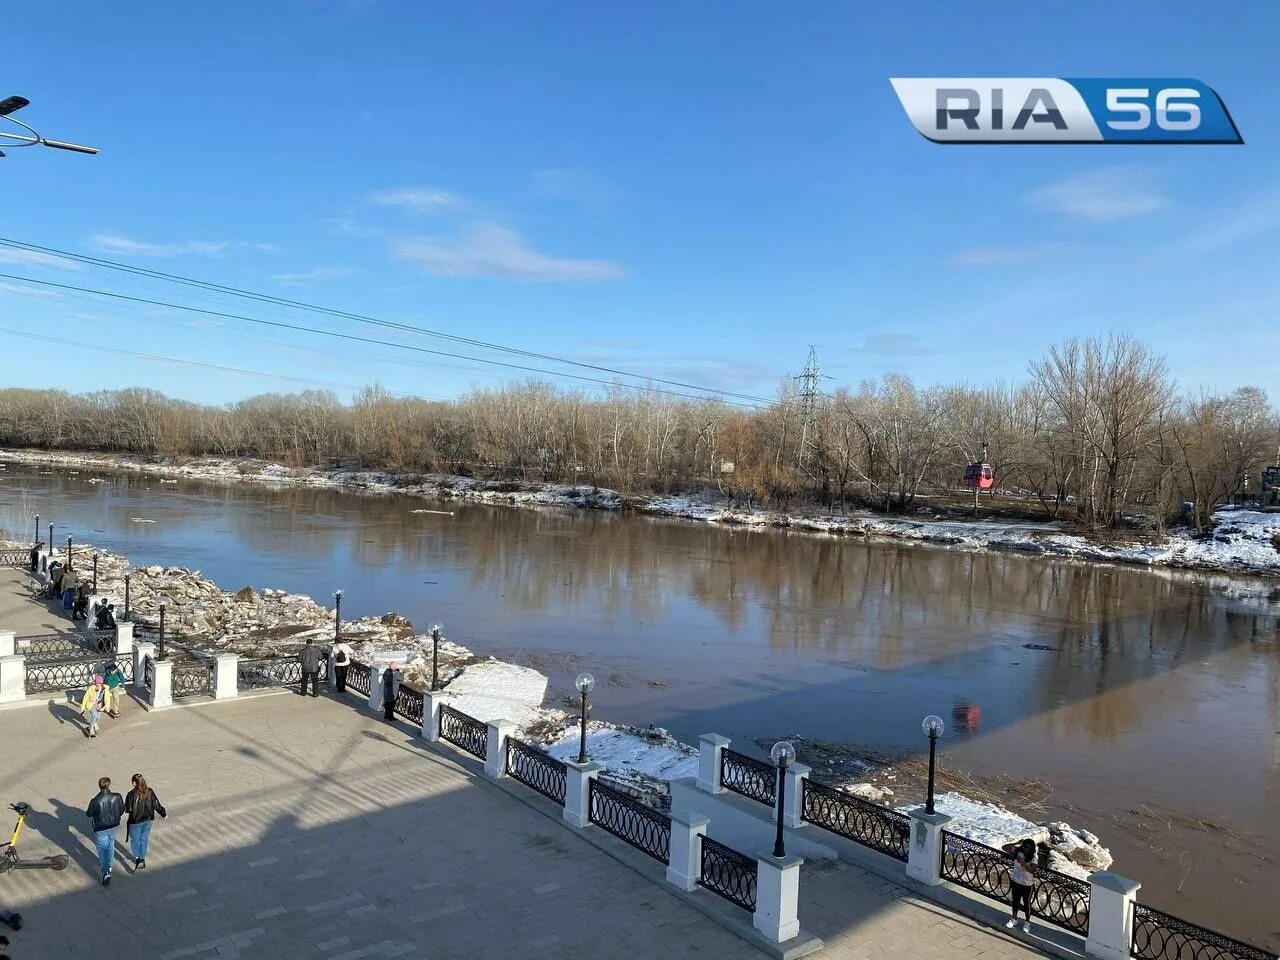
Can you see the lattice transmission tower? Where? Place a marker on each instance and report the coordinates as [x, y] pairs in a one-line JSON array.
[[810, 382]]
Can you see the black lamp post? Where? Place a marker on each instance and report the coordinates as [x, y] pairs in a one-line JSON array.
[[337, 613], [69, 563], [782, 754], [584, 683], [160, 655], [95, 573], [127, 578], [933, 728], [50, 542], [36, 541], [435, 656]]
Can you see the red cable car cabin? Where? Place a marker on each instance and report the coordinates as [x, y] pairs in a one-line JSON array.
[[980, 476]]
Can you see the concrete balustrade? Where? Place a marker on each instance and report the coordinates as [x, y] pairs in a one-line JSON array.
[[710, 747], [13, 677], [226, 683], [1111, 899], [141, 651], [924, 856], [8, 643], [793, 803], [162, 691], [495, 754], [431, 703], [685, 861], [577, 792], [777, 913]]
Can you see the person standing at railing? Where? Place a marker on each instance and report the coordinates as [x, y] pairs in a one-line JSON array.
[[390, 690], [342, 655], [70, 583], [35, 556], [1022, 879], [105, 619], [310, 657]]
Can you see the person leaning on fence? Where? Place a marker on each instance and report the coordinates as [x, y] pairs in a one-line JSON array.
[[310, 657], [390, 690], [92, 705], [342, 655], [1022, 879], [80, 603], [35, 556], [105, 618]]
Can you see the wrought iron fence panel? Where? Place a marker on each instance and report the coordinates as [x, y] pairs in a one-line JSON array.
[[1162, 936], [269, 672], [748, 776], [195, 681], [1055, 897], [628, 819], [729, 873], [16, 558], [409, 704], [149, 674], [52, 647], [359, 677], [464, 731], [536, 769], [61, 675], [861, 820]]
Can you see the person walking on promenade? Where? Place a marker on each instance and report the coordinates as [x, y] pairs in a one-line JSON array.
[[113, 678], [390, 690], [93, 704], [310, 658], [142, 805], [342, 655], [1022, 879], [70, 584], [105, 811]]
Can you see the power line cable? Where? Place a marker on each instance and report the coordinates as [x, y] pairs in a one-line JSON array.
[[361, 318], [359, 339]]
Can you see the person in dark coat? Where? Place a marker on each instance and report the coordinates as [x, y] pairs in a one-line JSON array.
[[391, 678], [310, 658], [142, 805], [106, 811]]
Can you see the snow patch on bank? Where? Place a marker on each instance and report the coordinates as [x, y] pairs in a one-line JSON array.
[[645, 758], [494, 690]]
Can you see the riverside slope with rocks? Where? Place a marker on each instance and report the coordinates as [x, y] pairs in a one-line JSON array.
[[262, 622], [1242, 541]]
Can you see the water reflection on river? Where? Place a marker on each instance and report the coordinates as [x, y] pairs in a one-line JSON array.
[[1125, 690]]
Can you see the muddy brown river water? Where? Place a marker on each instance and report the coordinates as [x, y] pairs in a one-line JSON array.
[[1148, 702]]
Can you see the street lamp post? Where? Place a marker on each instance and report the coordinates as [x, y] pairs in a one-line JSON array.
[[95, 572], [435, 656], [30, 139], [127, 578], [337, 613], [51, 543], [160, 655], [782, 754], [69, 563], [584, 683], [37, 538], [933, 728]]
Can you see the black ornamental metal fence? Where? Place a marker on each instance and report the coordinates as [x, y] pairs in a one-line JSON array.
[[408, 704], [69, 674], [860, 820], [268, 672], [359, 677], [15, 558], [65, 645], [748, 776], [195, 680], [628, 819], [536, 769], [463, 731], [149, 674], [729, 873], [1055, 897], [1162, 936]]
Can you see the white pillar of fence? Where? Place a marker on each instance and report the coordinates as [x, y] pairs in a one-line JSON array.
[[376, 670], [793, 809], [124, 641], [140, 653], [431, 701], [710, 746], [777, 913], [162, 691], [87, 625], [685, 863], [8, 643], [1111, 899], [577, 791], [226, 676], [924, 854], [495, 754], [13, 678]]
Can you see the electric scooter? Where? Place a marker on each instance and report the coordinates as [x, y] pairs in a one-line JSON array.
[[9, 859]]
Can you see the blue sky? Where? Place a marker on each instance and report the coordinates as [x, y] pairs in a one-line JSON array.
[[692, 191]]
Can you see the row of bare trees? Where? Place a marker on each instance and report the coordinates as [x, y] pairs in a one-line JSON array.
[[1097, 433]]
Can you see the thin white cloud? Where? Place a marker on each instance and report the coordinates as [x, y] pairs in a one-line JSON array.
[[34, 258], [117, 243], [489, 250], [994, 256], [418, 199], [1101, 196], [314, 275], [35, 293]]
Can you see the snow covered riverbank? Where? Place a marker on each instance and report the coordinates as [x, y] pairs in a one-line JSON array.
[[1242, 541]]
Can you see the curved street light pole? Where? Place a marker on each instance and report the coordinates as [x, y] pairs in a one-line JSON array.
[[782, 754], [933, 728], [584, 684], [31, 139]]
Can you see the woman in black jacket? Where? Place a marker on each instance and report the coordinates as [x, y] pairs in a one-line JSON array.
[[142, 805]]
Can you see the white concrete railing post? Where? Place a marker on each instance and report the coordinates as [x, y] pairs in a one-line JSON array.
[[793, 808], [13, 678], [140, 653], [495, 753], [431, 702], [577, 791], [226, 681], [777, 913], [8, 643], [710, 747], [124, 641], [87, 624], [162, 692], [685, 863], [1111, 899], [376, 670], [924, 852]]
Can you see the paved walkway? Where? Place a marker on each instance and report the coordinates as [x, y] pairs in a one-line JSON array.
[[21, 613]]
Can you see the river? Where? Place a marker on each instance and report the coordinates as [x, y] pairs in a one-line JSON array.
[[1148, 702]]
